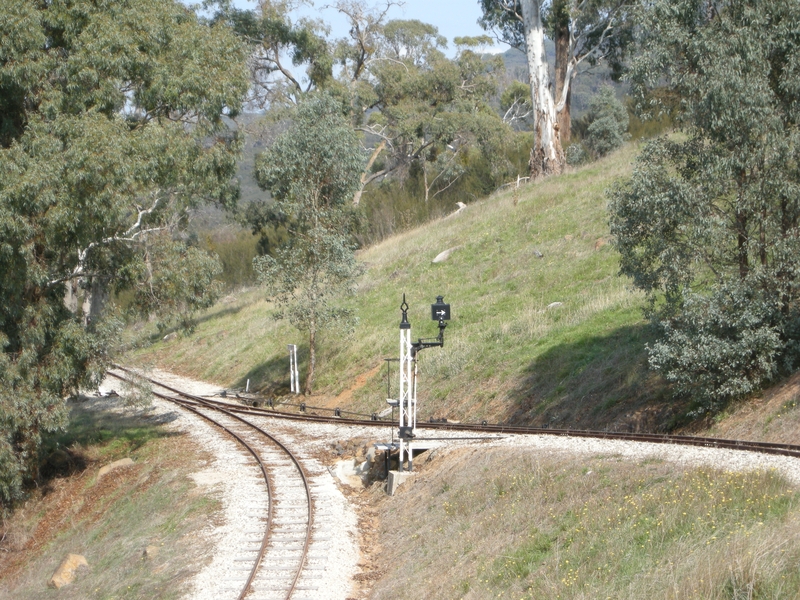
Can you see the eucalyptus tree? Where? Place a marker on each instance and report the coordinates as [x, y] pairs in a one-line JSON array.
[[709, 224], [111, 127], [278, 46], [312, 171], [584, 31], [415, 108], [427, 110]]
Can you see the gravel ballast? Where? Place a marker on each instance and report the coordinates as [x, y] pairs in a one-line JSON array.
[[232, 479]]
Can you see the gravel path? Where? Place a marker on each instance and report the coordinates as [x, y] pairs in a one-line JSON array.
[[230, 478]]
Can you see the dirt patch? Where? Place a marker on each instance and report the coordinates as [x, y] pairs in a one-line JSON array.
[[347, 395]]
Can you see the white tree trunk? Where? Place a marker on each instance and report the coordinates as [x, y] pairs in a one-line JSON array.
[[547, 156]]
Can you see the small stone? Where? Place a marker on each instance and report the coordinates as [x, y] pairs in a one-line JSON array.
[[536, 253], [443, 256], [65, 573], [150, 552], [170, 336], [554, 305], [117, 464]]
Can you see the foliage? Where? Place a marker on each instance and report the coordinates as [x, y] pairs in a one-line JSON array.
[[608, 123], [312, 171], [236, 249], [415, 109], [577, 154], [271, 36], [605, 127], [430, 110], [709, 224], [389, 207], [176, 281], [515, 102], [111, 128]]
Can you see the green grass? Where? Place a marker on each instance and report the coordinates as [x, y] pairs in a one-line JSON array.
[[525, 524], [506, 355]]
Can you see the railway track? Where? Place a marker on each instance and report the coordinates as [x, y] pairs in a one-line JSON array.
[[487, 428], [283, 551], [287, 558]]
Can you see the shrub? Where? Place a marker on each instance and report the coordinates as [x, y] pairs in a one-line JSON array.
[[608, 123]]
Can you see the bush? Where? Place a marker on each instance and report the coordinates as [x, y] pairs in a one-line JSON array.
[[577, 154], [713, 353], [608, 123]]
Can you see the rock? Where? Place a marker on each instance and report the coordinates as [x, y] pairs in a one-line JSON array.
[[536, 253], [443, 256], [461, 206], [170, 337], [349, 472], [117, 464], [150, 552], [65, 573], [600, 243], [554, 305]]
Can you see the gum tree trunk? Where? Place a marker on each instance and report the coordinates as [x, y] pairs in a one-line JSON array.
[[563, 118], [547, 156]]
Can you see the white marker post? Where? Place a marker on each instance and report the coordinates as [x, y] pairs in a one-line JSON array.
[[294, 374]]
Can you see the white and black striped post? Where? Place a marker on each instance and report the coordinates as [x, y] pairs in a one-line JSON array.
[[294, 373]]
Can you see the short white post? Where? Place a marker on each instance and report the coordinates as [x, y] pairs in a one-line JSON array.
[[294, 374]]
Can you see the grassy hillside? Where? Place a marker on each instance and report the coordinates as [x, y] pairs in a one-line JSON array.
[[525, 524], [510, 354]]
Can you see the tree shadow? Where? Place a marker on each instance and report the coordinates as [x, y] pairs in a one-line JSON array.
[[271, 378], [178, 328], [63, 453], [599, 382]]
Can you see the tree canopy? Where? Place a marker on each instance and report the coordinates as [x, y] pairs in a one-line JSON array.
[[111, 127], [312, 171], [709, 224], [415, 108]]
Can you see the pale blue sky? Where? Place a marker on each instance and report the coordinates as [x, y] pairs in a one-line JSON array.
[[453, 18]]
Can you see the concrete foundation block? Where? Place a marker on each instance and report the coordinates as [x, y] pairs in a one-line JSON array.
[[396, 479]]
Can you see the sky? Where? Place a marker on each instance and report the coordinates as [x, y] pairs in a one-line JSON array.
[[452, 17]]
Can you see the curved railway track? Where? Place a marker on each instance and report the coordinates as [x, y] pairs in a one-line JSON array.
[[278, 564], [275, 563], [708, 442]]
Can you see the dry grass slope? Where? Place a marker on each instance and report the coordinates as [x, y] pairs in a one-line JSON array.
[[514, 524], [112, 521]]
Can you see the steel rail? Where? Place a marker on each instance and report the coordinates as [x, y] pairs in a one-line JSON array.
[[709, 442], [199, 401]]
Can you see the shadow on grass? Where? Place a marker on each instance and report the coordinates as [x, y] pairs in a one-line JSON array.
[[177, 328], [109, 434], [596, 382], [271, 378]]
